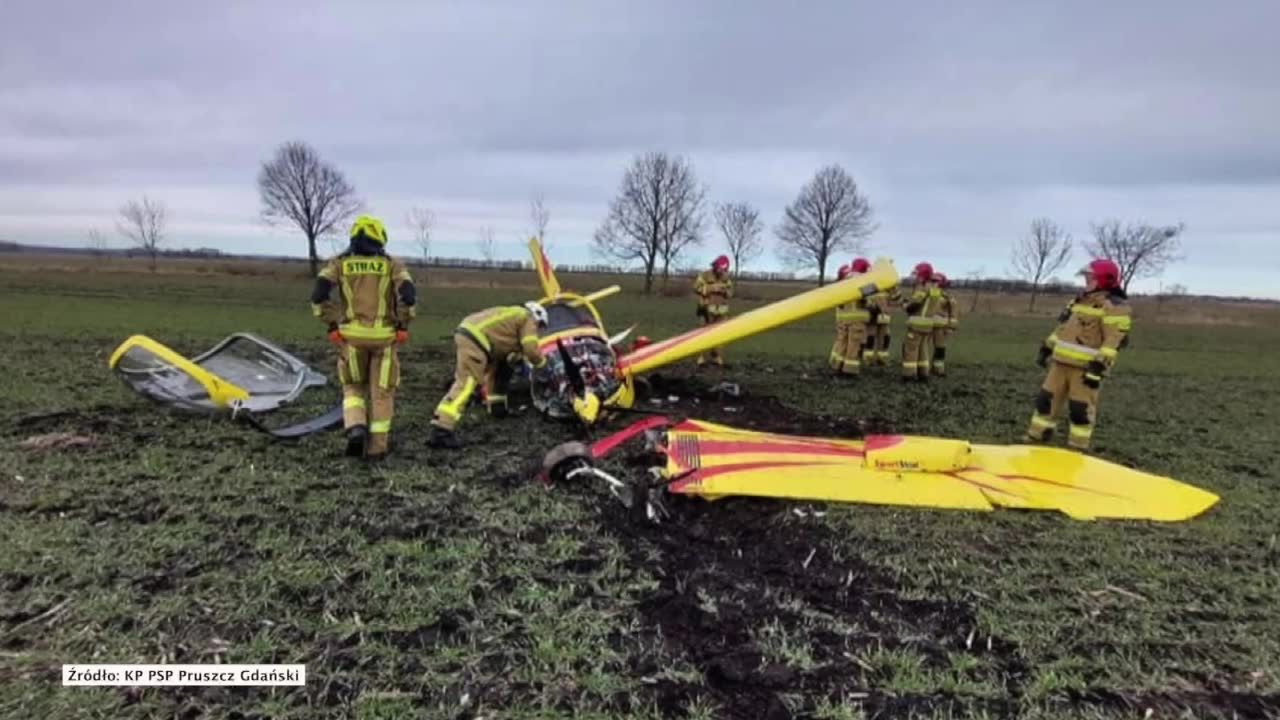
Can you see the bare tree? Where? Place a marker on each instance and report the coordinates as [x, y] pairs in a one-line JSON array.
[[829, 216], [97, 242], [297, 187], [740, 224], [1140, 250], [1040, 253], [488, 244], [421, 222], [976, 278], [142, 222], [539, 218], [657, 214]]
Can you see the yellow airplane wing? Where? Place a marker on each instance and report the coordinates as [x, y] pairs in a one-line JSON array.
[[714, 461], [546, 273], [881, 276]]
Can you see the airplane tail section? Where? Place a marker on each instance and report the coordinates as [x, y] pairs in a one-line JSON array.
[[546, 273]]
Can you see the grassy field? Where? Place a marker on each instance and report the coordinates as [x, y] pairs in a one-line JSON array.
[[450, 586]]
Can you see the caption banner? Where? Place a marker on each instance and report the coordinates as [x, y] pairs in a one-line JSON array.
[[180, 675]]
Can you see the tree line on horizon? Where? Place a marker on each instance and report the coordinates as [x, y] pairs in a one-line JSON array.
[[661, 212]]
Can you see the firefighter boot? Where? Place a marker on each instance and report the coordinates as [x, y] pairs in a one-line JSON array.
[[443, 438], [357, 441]]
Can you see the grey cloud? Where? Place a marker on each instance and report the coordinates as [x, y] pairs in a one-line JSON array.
[[478, 103]]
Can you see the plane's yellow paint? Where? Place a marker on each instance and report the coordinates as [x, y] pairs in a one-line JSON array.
[[222, 392], [542, 266], [881, 276], [716, 461]]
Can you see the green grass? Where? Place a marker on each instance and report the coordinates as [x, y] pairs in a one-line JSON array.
[[451, 586]]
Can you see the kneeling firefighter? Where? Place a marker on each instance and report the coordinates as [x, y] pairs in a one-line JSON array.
[[488, 344], [372, 316], [945, 322], [852, 320], [714, 287], [1079, 354], [922, 306]]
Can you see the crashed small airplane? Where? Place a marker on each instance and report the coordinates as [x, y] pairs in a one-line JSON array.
[[244, 375], [697, 458], [584, 371]]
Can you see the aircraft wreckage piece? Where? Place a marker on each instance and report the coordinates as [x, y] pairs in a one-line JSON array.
[[244, 374], [715, 461]]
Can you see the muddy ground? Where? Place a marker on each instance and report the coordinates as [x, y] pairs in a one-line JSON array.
[[739, 609]]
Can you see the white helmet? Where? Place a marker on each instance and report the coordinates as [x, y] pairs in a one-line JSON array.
[[538, 312]]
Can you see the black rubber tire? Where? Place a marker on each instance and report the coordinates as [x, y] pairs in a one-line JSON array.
[[565, 457]]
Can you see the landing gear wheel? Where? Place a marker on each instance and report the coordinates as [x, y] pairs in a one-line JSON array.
[[564, 459]]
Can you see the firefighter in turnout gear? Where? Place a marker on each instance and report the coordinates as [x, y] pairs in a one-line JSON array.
[[371, 317], [876, 350], [1079, 354], [488, 343], [945, 320], [851, 325], [714, 287], [922, 307]]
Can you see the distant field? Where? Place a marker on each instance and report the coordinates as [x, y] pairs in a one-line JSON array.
[[450, 586]]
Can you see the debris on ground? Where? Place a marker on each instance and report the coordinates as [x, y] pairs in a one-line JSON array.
[[57, 441]]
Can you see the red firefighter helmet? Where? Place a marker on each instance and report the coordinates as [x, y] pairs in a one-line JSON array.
[[843, 272], [1105, 273], [923, 271], [720, 264], [940, 280], [860, 265]]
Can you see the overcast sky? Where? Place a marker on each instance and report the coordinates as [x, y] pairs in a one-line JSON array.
[[960, 121]]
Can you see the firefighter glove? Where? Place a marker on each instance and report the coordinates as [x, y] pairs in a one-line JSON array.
[[402, 336], [1093, 374], [1042, 359], [335, 337]]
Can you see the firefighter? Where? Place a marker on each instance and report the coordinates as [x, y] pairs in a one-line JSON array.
[[371, 317], [714, 287], [488, 344], [945, 321], [876, 349], [921, 308], [852, 320], [1079, 354]]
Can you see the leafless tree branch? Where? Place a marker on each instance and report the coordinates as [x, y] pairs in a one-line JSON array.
[[488, 244], [1140, 250], [539, 219], [422, 223], [656, 216], [142, 222], [740, 224], [1040, 253], [827, 217], [298, 187]]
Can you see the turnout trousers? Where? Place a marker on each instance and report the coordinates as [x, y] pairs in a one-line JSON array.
[[472, 370], [939, 341], [847, 352], [1064, 386], [370, 375], [917, 351], [876, 350], [716, 356]]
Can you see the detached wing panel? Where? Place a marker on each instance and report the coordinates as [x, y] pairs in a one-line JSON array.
[[882, 276], [714, 461], [1087, 487], [717, 463]]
